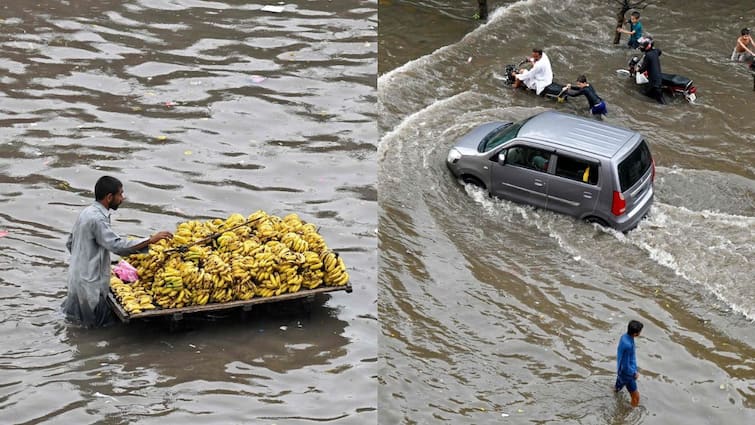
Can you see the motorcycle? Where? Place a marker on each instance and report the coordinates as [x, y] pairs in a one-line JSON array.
[[553, 91], [672, 84]]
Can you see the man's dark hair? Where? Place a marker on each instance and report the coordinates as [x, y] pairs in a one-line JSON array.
[[745, 31], [634, 327], [581, 79], [538, 51], [106, 185], [636, 14]]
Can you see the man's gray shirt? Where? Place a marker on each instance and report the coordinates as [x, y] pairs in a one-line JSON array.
[[90, 243]]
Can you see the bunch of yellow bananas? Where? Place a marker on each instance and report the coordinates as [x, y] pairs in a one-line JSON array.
[[201, 297], [295, 242], [268, 256], [132, 297], [221, 295], [196, 253], [335, 269], [293, 223], [244, 290]]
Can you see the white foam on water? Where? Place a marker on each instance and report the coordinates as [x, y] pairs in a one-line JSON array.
[[411, 123], [656, 236], [705, 261]]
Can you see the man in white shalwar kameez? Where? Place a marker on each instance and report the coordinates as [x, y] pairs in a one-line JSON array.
[[540, 76]]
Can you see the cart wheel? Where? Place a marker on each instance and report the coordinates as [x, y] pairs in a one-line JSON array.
[[176, 322], [306, 305], [245, 310]]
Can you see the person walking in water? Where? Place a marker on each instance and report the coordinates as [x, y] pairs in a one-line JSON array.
[[597, 105], [634, 31], [90, 243], [626, 362], [741, 51]]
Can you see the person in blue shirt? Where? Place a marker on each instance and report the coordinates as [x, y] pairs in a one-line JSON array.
[[635, 30], [626, 362]]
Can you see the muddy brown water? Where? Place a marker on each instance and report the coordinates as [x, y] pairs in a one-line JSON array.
[[492, 312], [202, 109]]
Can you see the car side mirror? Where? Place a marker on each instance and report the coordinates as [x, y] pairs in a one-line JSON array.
[[502, 157]]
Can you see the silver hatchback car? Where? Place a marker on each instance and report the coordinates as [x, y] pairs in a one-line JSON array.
[[573, 165]]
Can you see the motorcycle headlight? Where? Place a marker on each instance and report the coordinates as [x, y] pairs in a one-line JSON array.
[[453, 156]]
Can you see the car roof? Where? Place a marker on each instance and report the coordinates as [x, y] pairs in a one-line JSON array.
[[576, 132]]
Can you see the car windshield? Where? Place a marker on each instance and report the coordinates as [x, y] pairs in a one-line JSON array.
[[500, 136], [634, 166]]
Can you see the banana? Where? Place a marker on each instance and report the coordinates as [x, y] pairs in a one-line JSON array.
[[268, 256], [342, 280]]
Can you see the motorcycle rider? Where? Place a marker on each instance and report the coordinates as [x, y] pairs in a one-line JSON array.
[[651, 63], [537, 78]]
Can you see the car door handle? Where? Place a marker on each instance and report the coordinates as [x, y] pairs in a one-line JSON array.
[[539, 183], [587, 195]]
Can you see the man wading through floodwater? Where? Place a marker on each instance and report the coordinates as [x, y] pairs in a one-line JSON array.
[[90, 243]]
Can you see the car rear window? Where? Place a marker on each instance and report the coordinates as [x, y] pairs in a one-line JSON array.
[[634, 166]]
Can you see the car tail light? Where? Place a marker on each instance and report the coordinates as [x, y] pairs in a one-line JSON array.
[[652, 164], [619, 204]]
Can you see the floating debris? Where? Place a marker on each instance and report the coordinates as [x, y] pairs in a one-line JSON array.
[[273, 9]]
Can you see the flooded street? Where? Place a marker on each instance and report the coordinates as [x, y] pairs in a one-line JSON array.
[[493, 312], [202, 109]]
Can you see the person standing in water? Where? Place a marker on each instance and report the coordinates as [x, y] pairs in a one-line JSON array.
[[626, 362], [634, 31], [90, 243]]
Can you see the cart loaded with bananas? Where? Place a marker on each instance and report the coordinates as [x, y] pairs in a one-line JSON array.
[[236, 261]]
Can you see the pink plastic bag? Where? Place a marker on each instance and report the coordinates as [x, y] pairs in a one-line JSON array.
[[125, 272]]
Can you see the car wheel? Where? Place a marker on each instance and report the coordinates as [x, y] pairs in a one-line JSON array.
[[473, 181], [597, 220]]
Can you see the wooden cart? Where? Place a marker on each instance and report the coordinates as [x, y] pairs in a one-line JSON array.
[[177, 313]]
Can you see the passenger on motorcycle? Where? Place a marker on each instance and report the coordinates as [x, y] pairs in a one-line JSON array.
[[651, 63], [537, 78]]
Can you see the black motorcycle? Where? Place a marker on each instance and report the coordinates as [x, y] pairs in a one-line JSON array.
[[673, 84], [554, 91]]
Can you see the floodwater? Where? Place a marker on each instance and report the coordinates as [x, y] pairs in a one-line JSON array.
[[493, 312], [202, 109]]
